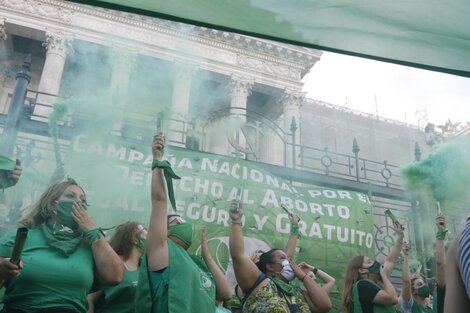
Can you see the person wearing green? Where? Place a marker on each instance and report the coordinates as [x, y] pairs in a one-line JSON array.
[[171, 280], [415, 294], [266, 284], [129, 243], [64, 254], [367, 287], [10, 172]]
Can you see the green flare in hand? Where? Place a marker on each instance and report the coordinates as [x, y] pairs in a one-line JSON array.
[[445, 173]]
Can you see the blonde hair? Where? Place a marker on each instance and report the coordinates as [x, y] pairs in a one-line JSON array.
[[42, 209], [350, 278]]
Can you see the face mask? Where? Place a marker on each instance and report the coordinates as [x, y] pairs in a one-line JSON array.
[[64, 212], [374, 268], [423, 291], [287, 272], [141, 243], [184, 232]]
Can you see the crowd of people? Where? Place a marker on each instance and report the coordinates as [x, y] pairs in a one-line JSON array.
[[68, 265]]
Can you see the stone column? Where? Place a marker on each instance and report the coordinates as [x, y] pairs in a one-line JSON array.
[[121, 63], [182, 81], [291, 102], [240, 90], [58, 46], [6, 72]]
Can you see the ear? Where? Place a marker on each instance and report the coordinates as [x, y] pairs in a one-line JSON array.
[[270, 267], [362, 271]]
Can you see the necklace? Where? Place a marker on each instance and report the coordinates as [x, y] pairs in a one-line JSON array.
[[128, 268]]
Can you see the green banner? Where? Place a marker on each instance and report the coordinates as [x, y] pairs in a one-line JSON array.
[[335, 224]]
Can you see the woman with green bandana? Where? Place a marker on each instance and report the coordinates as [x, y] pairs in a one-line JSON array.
[[415, 294], [170, 279], [367, 287], [64, 254], [10, 172], [129, 243], [266, 285]]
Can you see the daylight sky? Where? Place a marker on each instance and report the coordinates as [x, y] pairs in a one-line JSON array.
[[398, 92]]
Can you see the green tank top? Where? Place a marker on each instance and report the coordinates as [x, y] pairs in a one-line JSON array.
[[120, 298], [378, 308], [186, 285]]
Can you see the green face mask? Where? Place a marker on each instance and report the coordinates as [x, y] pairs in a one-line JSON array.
[[375, 268], [141, 243], [423, 291], [184, 232], [64, 212]]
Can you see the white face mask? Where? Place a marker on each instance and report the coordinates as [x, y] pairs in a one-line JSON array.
[[287, 272]]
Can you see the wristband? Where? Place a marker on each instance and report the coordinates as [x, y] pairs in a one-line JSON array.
[[94, 235], [237, 223], [169, 176], [294, 229], [441, 234]]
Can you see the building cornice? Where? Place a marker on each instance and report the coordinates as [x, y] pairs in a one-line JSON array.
[[299, 58]]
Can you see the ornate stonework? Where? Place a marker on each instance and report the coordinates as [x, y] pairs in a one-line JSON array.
[[292, 98], [287, 61], [241, 86], [44, 9], [57, 42], [3, 30], [269, 67]]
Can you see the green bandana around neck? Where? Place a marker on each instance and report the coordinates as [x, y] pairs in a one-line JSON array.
[[141, 243], [286, 288], [61, 237], [184, 232]]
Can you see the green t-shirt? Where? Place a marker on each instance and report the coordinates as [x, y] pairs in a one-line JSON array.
[[186, 285], [120, 298], [49, 279]]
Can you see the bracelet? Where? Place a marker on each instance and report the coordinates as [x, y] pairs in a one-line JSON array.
[[237, 222], [441, 234], [94, 235]]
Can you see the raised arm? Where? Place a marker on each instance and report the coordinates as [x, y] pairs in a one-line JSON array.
[[395, 251], [294, 235], [388, 294], [456, 297], [246, 272], [440, 250], [328, 280], [317, 298], [157, 247], [223, 292], [406, 276]]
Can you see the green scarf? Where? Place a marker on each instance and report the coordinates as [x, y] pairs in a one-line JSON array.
[[169, 176], [286, 288], [61, 237]]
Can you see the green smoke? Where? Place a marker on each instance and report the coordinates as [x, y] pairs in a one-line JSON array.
[[445, 173]]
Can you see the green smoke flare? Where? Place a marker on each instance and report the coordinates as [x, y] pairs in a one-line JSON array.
[[445, 173]]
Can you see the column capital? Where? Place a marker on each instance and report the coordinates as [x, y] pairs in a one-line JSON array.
[[292, 98], [241, 85], [3, 29], [58, 42]]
